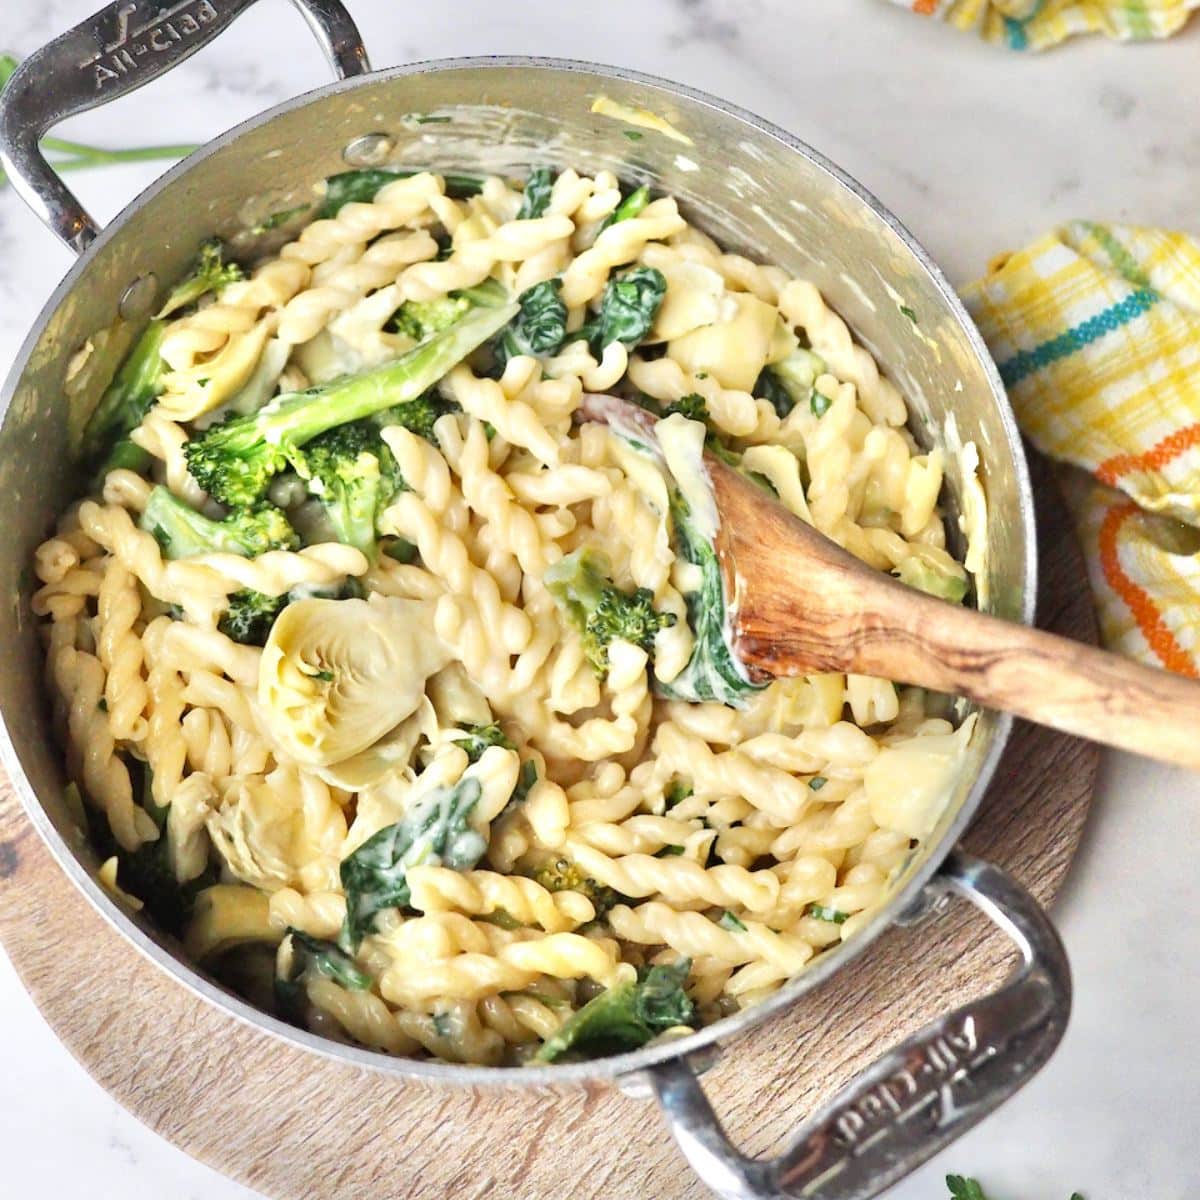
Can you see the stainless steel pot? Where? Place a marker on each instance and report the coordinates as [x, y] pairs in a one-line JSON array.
[[759, 191]]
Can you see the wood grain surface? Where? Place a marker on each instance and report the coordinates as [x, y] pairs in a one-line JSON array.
[[298, 1127]]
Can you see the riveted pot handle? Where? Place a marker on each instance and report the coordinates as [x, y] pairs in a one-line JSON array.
[[111, 54], [919, 1096]]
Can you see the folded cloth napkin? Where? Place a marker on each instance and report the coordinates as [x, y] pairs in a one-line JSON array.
[[1036, 24], [1096, 331]]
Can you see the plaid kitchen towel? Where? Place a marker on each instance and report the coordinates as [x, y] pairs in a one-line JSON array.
[[1036, 24], [1096, 331]]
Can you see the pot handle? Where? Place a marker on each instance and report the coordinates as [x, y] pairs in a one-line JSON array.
[[112, 53], [919, 1096]]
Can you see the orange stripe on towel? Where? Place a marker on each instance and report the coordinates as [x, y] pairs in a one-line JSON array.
[[925, 8], [1156, 457], [1149, 620]]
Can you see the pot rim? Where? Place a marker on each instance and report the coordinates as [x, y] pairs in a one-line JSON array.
[[903, 901]]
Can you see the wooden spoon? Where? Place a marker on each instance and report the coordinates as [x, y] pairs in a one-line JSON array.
[[803, 605]]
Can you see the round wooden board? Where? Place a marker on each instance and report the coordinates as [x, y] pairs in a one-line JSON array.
[[298, 1127]]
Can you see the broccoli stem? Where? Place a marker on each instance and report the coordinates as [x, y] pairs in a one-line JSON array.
[[182, 532], [298, 417], [234, 461], [134, 388]]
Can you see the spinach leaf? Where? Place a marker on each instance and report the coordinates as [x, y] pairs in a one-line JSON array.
[[361, 187], [299, 954], [626, 1016], [539, 327], [627, 309], [770, 387], [714, 671], [147, 872], [537, 194], [433, 832]]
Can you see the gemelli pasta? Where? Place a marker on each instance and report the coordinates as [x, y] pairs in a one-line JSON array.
[[401, 692]]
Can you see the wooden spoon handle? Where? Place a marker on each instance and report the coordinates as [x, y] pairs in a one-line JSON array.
[[804, 605], [1048, 679]]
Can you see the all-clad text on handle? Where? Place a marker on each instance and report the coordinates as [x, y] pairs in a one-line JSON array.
[[919, 1096], [114, 52]]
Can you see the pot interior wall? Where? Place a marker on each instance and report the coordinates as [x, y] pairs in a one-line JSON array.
[[746, 187]]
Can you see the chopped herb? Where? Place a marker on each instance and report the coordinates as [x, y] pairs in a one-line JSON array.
[[424, 119], [633, 135], [819, 403], [821, 913], [102, 704], [669, 852], [676, 791], [325, 676], [731, 922], [908, 312], [442, 1024], [817, 782]]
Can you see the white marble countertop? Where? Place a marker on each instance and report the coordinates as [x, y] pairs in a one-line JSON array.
[[975, 149]]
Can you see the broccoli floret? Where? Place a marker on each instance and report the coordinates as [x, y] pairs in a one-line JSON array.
[[563, 875], [420, 319], [479, 737], [209, 273], [183, 532], [353, 474], [235, 460], [626, 1016], [418, 416], [250, 615], [599, 609]]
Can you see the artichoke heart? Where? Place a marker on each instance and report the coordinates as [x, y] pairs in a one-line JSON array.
[[336, 675], [733, 350]]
